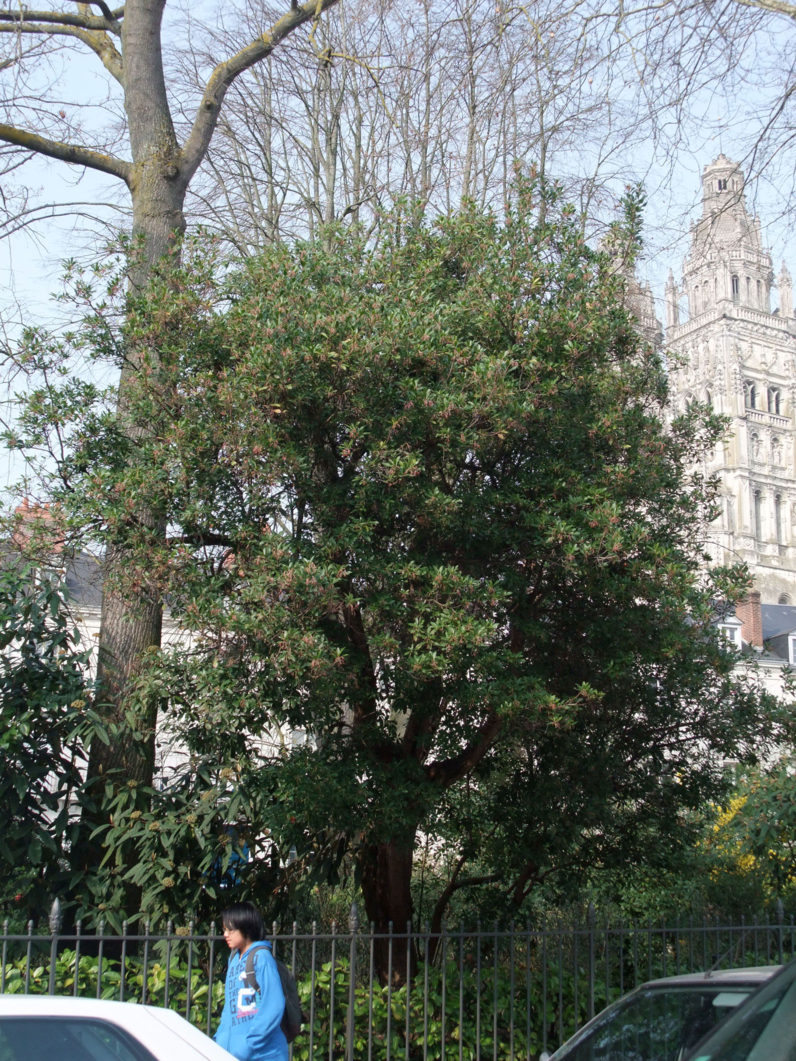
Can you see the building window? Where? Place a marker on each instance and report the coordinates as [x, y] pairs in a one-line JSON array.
[[784, 598], [722, 186], [748, 289], [708, 399], [778, 517], [792, 650], [750, 394], [757, 504], [732, 634], [736, 288], [696, 299], [760, 294], [775, 400]]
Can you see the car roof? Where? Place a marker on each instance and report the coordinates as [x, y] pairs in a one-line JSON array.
[[19, 1005], [156, 1028], [755, 974], [59, 1004]]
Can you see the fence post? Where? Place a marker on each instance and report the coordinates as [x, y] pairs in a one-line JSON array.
[[100, 937], [210, 976], [780, 922], [55, 928], [591, 917], [353, 928], [28, 957], [78, 929], [5, 953]]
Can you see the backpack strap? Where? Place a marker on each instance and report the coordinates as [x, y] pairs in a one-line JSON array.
[[250, 976]]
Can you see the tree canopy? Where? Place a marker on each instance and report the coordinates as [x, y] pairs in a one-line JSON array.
[[437, 552]]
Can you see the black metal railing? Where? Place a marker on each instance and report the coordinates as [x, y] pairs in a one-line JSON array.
[[500, 992]]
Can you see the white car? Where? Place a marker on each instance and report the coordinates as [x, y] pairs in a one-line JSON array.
[[53, 1028]]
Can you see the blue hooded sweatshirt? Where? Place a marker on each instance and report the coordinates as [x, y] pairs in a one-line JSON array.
[[250, 1024]]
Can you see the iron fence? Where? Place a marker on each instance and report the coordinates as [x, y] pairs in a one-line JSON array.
[[459, 994]]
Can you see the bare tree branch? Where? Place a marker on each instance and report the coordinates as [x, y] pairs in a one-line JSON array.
[[25, 17], [106, 10], [99, 42], [80, 156], [779, 7], [225, 73]]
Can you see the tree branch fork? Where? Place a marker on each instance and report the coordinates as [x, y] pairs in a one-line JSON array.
[[93, 31]]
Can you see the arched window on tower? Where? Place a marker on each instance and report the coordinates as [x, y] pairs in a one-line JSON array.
[[748, 289], [736, 288], [750, 394], [760, 294], [775, 400], [722, 185], [778, 517], [697, 303], [708, 399], [757, 514]]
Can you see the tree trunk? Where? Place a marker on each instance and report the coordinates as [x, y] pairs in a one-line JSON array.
[[132, 624], [387, 891]]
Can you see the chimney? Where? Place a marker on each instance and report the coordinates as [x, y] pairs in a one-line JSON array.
[[750, 614], [38, 520]]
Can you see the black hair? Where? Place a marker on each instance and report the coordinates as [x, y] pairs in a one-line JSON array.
[[246, 918]]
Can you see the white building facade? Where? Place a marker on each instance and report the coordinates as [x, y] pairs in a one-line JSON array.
[[729, 348]]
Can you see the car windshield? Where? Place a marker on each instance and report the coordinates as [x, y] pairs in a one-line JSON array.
[[762, 1030], [654, 1024]]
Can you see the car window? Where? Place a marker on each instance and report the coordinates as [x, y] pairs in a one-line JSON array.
[[763, 1030], [656, 1024], [67, 1039]]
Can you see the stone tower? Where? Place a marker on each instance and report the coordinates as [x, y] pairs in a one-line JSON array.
[[738, 355]]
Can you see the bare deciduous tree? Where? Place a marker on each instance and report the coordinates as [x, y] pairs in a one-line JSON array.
[[432, 105]]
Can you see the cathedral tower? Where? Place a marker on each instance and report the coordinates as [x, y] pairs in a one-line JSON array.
[[739, 356]]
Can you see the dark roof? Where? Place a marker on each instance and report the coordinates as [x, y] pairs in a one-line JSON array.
[[82, 574], [777, 619], [84, 580]]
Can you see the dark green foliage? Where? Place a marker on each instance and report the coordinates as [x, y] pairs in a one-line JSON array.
[[422, 508], [45, 722]]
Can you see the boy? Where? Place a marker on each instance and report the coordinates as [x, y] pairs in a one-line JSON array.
[[250, 1024]]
